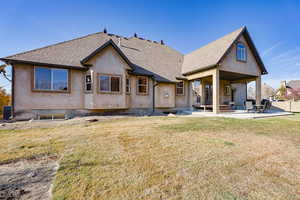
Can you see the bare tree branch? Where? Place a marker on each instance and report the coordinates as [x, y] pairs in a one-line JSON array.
[[3, 72]]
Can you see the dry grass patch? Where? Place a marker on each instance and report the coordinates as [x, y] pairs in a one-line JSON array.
[[169, 158]]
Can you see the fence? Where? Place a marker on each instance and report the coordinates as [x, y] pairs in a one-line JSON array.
[[290, 106]]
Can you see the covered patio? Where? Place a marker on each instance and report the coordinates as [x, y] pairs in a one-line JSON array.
[[221, 91]]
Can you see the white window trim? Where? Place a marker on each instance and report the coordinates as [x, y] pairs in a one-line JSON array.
[[109, 83], [137, 86], [180, 87], [243, 51], [85, 83], [129, 86], [51, 89]]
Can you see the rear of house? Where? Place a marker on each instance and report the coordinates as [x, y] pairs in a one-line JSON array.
[[106, 73]]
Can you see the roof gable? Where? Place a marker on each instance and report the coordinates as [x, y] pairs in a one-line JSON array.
[[213, 53], [230, 63], [111, 43]]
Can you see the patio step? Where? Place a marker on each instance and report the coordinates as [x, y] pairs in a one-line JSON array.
[[229, 110], [224, 108]]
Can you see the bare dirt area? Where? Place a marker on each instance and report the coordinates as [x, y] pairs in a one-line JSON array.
[[27, 179], [21, 125]]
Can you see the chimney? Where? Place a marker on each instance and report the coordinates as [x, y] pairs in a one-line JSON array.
[[135, 35], [162, 42], [104, 30], [119, 41]]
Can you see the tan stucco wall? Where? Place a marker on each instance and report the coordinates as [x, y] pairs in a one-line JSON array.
[[202, 74], [223, 97], [240, 90], [107, 61], [232, 65], [182, 101], [140, 101], [26, 99], [165, 95]]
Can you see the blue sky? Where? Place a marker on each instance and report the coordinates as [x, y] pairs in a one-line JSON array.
[[184, 25]]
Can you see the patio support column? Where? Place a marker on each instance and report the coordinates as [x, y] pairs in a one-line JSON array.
[[216, 91], [190, 95], [202, 101], [258, 90]]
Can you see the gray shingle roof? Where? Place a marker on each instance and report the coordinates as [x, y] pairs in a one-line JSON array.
[[147, 57], [295, 84], [211, 54], [153, 58]]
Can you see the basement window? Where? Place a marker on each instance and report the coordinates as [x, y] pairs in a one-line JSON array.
[[180, 88], [142, 85], [51, 79], [110, 83]]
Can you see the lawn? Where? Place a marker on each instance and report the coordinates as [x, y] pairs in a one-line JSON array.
[[166, 157]]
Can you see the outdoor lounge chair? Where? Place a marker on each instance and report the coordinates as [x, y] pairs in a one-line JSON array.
[[266, 105], [249, 106]]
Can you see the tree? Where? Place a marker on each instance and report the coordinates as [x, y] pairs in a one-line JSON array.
[[3, 72], [250, 93], [267, 91], [281, 94], [4, 99]]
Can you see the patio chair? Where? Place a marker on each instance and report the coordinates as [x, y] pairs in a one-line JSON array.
[[266, 105], [249, 106]]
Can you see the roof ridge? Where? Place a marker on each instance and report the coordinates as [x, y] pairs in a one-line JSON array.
[[47, 46], [157, 43]]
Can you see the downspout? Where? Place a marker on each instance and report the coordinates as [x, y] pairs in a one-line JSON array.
[[246, 91], [12, 92], [153, 96]]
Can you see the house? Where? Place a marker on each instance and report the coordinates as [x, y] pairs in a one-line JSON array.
[[290, 90], [104, 72]]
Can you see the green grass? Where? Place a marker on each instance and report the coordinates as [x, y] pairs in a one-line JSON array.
[[167, 157]]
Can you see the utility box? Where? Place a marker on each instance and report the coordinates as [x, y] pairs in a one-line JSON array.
[[6, 112]]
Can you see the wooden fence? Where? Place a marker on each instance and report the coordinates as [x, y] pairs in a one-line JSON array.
[[290, 106]]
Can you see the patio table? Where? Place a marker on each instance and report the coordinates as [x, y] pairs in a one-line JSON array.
[[258, 108]]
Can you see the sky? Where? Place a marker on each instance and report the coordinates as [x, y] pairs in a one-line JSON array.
[[184, 25]]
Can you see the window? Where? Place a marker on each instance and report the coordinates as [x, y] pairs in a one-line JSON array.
[[128, 88], [227, 90], [115, 84], [110, 83], [241, 54], [142, 85], [88, 83], [51, 79], [104, 83], [180, 88]]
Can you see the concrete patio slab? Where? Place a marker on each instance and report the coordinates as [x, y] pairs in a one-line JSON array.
[[238, 114]]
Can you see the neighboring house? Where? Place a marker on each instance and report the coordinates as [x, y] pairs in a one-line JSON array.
[[267, 91], [290, 90], [108, 73]]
